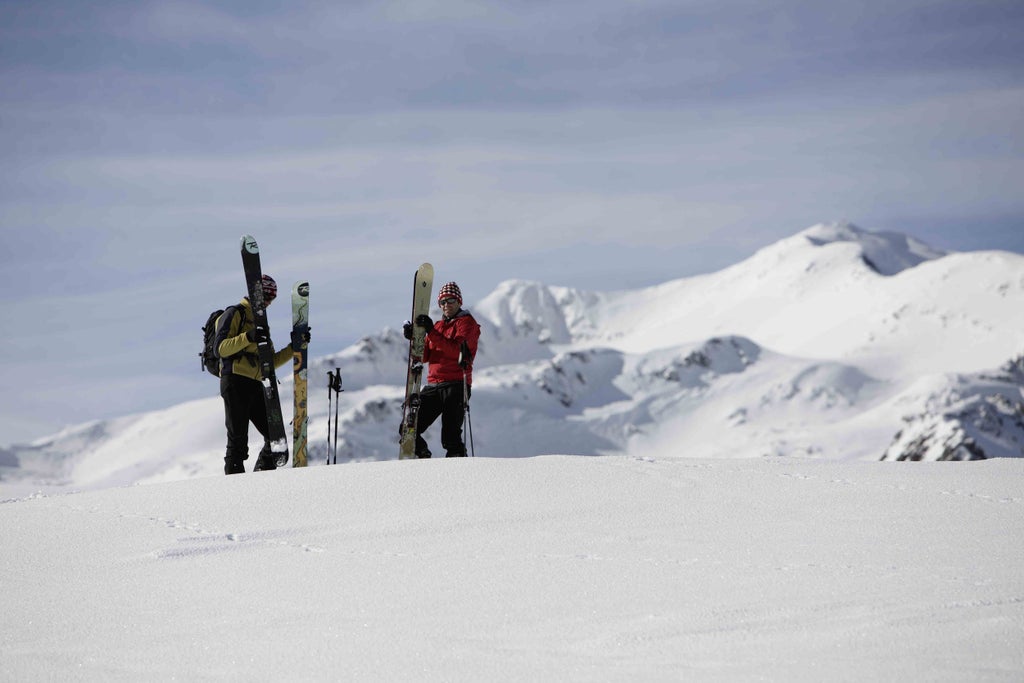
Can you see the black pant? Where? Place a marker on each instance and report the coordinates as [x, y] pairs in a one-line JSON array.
[[243, 403], [444, 400]]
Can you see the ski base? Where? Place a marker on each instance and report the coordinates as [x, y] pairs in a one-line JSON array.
[[423, 283]]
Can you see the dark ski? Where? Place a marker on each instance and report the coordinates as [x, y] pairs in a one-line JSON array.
[[253, 280]]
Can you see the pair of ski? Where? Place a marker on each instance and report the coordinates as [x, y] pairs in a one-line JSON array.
[[300, 356]]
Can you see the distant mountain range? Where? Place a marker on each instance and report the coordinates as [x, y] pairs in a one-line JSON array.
[[835, 343]]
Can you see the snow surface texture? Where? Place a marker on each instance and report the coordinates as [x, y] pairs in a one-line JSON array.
[[836, 343], [549, 568]]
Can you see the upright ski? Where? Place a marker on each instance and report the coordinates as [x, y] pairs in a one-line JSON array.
[[253, 280], [300, 356], [423, 283]]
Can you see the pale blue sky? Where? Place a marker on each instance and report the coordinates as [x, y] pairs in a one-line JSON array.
[[599, 144]]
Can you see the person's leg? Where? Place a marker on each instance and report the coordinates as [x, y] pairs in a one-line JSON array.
[[258, 415], [236, 420], [430, 409], [452, 416]]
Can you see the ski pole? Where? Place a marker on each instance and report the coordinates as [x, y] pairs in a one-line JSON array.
[[467, 423], [330, 388], [468, 420], [337, 400]]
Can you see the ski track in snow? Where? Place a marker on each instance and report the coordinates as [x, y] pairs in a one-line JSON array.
[[203, 539]]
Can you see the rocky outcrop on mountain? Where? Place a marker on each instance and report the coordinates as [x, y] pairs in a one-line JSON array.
[[969, 418]]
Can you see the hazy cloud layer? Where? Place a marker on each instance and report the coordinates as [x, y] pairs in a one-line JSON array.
[[598, 144]]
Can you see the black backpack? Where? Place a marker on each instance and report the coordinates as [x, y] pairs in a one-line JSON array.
[[208, 356]]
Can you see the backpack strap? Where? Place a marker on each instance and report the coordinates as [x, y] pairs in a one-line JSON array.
[[253, 357]]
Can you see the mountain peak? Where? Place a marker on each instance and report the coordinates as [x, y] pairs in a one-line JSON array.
[[525, 308], [886, 253]]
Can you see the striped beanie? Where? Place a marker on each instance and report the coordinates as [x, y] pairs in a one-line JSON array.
[[269, 288], [450, 289]]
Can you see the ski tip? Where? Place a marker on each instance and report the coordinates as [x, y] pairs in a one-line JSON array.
[[249, 244], [301, 288]]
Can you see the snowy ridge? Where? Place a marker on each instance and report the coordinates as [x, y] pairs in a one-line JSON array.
[[835, 343]]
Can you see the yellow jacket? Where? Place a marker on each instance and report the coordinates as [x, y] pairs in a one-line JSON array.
[[232, 340]]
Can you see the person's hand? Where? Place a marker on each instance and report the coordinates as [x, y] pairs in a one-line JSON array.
[[407, 329], [258, 334], [423, 320], [300, 338]]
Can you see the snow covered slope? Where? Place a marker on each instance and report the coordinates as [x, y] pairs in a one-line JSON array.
[[543, 569], [835, 343]]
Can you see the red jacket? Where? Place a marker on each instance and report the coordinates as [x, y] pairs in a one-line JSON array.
[[444, 343]]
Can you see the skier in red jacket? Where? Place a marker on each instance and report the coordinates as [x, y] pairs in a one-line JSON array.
[[442, 395]]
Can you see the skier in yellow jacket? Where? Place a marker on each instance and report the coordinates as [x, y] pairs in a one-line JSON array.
[[240, 386]]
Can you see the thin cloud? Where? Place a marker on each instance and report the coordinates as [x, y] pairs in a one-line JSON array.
[[558, 141]]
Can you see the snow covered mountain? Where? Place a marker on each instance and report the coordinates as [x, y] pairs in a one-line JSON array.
[[835, 343]]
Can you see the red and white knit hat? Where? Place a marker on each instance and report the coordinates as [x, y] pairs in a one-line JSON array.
[[450, 289], [269, 288]]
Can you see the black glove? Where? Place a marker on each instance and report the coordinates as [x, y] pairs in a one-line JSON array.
[[258, 335], [300, 338], [423, 320], [407, 329]]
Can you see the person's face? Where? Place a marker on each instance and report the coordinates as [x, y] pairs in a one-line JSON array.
[[449, 306]]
